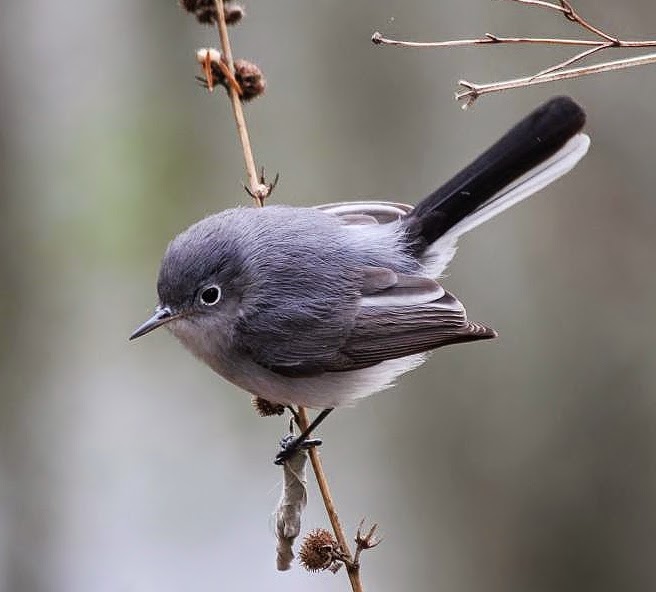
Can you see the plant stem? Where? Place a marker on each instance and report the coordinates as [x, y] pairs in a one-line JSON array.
[[476, 90], [490, 39], [237, 109], [352, 569], [260, 191], [552, 73]]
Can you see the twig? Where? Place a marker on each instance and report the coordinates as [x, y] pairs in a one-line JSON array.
[[577, 58], [365, 542], [352, 568], [573, 16], [541, 3], [259, 191], [477, 90], [552, 73], [566, 8], [489, 39]]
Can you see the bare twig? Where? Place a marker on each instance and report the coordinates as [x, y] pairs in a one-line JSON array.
[[365, 542], [259, 191], [577, 58], [566, 8], [488, 39], [477, 90], [552, 73], [352, 569], [264, 188], [575, 17], [541, 3]]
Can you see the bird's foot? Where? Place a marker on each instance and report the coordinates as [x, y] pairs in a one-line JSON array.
[[290, 445]]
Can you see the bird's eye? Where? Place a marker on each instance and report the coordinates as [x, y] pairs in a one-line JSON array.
[[210, 295]]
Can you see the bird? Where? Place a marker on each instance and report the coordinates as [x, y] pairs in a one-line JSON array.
[[321, 306]]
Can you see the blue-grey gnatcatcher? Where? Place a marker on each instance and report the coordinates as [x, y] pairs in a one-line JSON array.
[[321, 306]]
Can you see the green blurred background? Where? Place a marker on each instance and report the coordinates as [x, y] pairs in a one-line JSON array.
[[527, 463]]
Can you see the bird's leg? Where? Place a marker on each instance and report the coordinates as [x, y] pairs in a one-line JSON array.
[[290, 445], [294, 415]]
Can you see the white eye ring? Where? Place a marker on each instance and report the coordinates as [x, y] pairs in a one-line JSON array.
[[210, 295]]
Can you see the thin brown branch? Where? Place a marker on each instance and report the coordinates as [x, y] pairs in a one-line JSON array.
[[573, 60], [567, 10], [257, 189], [552, 73], [542, 4], [488, 39], [575, 17], [475, 91], [364, 542], [352, 569]]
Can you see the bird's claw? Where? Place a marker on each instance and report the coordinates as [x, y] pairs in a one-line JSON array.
[[290, 445]]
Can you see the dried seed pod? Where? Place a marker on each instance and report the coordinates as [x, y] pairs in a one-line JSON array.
[[233, 13], [250, 79], [189, 5], [266, 408], [247, 77], [210, 60], [208, 53], [206, 13], [203, 10], [319, 551]]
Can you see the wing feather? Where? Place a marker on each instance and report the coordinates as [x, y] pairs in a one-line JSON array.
[[388, 332], [398, 315], [363, 212], [404, 290]]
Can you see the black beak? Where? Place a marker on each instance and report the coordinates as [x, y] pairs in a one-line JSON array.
[[163, 315]]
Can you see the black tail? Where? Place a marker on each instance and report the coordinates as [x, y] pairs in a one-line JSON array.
[[532, 141]]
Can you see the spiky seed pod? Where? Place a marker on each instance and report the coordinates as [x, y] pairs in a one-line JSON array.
[[250, 79], [266, 408], [319, 550]]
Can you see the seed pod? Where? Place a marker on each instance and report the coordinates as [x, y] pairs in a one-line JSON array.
[[319, 550]]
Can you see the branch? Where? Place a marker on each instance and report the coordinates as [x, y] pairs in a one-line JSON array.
[[489, 38], [221, 69], [477, 90], [257, 188], [577, 58], [352, 567], [566, 8], [550, 74]]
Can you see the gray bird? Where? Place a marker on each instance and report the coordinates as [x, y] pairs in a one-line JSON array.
[[321, 306]]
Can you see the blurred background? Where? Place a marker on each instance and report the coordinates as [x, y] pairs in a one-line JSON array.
[[526, 463]]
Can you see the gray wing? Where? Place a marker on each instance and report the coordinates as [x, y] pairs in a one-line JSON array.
[[398, 315], [358, 213], [386, 332]]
